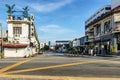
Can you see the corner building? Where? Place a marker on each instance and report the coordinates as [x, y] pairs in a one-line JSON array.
[[103, 29], [22, 37]]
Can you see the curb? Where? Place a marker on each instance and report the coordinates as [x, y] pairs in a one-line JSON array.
[[72, 55]]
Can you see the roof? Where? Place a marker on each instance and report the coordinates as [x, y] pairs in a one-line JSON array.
[[11, 45]]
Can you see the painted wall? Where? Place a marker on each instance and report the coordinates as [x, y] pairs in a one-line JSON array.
[[23, 37], [13, 52]]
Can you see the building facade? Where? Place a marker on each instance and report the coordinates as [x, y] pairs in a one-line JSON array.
[[62, 45], [22, 37], [103, 31]]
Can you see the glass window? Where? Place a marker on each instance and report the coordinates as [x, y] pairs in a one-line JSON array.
[[108, 8], [98, 29], [17, 30], [106, 26], [118, 46]]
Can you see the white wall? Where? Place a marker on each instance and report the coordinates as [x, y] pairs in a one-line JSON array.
[[23, 37], [11, 52]]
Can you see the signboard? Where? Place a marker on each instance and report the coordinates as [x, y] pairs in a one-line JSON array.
[[117, 17]]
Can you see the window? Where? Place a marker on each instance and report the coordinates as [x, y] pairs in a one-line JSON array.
[[108, 8], [98, 29], [17, 30], [106, 26], [118, 46]]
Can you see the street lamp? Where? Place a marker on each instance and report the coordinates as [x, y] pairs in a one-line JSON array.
[[1, 40]]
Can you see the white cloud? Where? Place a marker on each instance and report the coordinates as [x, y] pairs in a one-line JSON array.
[[4, 24], [54, 32], [50, 6], [54, 29]]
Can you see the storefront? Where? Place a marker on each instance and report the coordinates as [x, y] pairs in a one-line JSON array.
[[97, 45], [105, 43], [117, 43]]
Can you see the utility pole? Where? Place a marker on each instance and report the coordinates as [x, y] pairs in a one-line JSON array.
[[1, 54]]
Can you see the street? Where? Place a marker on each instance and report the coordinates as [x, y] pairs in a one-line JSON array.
[[54, 66]]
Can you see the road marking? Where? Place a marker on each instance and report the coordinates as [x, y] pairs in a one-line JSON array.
[[57, 66], [54, 77], [54, 66], [15, 65]]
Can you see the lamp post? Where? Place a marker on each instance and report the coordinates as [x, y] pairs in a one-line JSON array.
[[1, 41]]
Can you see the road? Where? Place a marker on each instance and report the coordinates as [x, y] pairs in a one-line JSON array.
[[53, 66]]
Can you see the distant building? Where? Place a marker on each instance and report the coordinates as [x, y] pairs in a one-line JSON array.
[[42, 44], [62, 44]]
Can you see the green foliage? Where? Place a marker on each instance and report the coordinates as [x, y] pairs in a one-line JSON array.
[[10, 9], [25, 11], [45, 48]]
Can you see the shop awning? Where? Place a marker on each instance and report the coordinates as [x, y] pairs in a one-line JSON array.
[[15, 45]]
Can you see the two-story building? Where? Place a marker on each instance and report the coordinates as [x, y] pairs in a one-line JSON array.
[[22, 36], [102, 29]]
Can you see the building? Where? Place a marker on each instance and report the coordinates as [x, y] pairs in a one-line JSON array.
[[62, 45], [3, 39], [79, 44], [22, 36], [102, 30], [43, 44]]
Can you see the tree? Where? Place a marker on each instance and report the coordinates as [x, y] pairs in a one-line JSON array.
[[45, 48], [10, 10], [25, 11]]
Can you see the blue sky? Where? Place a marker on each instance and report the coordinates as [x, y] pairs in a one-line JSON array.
[[56, 19]]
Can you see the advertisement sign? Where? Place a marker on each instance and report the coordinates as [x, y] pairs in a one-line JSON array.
[[117, 17]]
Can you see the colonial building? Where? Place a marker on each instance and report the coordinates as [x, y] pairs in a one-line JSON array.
[[102, 29], [22, 36]]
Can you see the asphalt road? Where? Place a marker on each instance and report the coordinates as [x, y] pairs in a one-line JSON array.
[[59, 66]]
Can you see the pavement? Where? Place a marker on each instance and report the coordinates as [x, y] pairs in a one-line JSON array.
[[56, 66]]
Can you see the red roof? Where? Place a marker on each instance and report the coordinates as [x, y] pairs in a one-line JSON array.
[[116, 8], [15, 45]]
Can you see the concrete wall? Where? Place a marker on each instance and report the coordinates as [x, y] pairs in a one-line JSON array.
[[19, 52], [14, 52], [23, 37]]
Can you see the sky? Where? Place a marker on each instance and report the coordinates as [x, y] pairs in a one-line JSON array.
[[56, 19]]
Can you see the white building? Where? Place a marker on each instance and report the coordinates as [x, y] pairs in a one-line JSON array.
[[99, 13], [22, 37], [76, 42]]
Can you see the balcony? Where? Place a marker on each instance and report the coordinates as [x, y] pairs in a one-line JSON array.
[[19, 18]]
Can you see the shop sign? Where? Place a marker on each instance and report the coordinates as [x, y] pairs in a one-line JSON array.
[[97, 39], [108, 37]]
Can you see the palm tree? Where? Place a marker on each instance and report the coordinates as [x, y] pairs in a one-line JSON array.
[[25, 11], [10, 9]]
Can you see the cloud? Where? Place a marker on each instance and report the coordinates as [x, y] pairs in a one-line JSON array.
[[50, 6], [54, 32], [3, 24], [54, 29]]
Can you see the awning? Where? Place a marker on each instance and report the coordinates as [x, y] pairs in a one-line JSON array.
[[15, 45]]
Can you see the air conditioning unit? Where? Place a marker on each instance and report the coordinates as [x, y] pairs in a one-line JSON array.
[[13, 41], [10, 41], [16, 42]]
